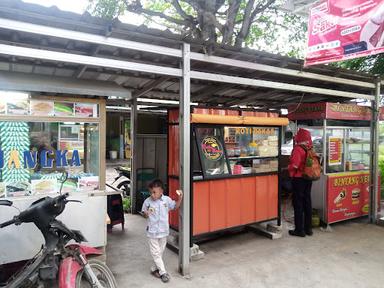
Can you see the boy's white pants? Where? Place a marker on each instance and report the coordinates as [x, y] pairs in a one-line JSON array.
[[157, 247]]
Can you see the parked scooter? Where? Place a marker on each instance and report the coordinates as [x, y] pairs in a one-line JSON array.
[[124, 185], [57, 262]]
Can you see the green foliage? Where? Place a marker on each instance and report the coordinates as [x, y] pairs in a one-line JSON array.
[[271, 29], [127, 204], [381, 166], [115, 144], [381, 158], [372, 64], [108, 9]]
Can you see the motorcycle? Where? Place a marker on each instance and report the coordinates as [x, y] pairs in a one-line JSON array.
[[124, 185], [58, 263]]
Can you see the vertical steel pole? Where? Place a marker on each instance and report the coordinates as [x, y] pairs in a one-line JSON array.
[[133, 156], [185, 160], [374, 183], [324, 204], [279, 198]]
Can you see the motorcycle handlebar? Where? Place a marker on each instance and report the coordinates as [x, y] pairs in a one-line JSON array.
[[7, 223], [61, 197], [57, 202]]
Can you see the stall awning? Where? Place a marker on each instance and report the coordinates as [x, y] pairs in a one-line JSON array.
[[238, 120]]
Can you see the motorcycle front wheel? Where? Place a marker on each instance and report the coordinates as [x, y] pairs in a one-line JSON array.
[[102, 272]]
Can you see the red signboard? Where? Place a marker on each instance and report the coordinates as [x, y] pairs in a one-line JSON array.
[[348, 196], [345, 29], [324, 110], [348, 112], [307, 111]]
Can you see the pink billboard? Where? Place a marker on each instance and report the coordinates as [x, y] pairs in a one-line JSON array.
[[345, 29]]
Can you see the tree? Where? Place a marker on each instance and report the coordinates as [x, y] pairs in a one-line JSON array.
[[237, 23], [372, 64]]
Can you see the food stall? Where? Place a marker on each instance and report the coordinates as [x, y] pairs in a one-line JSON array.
[[40, 138], [341, 136], [234, 168]]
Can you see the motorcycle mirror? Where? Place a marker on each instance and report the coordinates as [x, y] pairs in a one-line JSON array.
[[6, 203], [63, 177]]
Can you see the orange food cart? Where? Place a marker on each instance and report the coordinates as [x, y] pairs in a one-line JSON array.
[[234, 168], [341, 135]]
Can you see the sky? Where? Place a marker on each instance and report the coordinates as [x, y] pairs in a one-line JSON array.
[[80, 6], [77, 6]]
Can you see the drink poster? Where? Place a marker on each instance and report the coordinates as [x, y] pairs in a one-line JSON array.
[[345, 29]]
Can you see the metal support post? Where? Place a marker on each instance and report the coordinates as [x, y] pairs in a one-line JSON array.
[[133, 156], [185, 160], [374, 184]]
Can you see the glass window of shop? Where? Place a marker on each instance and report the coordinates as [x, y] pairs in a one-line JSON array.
[[33, 156]]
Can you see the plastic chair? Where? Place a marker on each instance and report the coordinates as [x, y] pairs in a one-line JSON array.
[[115, 211]]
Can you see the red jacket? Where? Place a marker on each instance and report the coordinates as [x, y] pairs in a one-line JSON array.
[[297, 161], [298, 155]]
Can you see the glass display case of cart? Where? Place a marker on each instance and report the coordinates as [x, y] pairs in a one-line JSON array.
[[228, 150], [251, 149], [348, 149]]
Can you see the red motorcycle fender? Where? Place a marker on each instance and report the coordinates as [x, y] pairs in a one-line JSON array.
[[69, 267], [85, 250]]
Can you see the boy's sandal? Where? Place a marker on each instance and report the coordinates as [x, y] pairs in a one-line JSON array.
[[156, 273], [165, 277]]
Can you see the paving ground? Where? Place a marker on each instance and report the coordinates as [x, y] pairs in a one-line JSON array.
[[351, 256]]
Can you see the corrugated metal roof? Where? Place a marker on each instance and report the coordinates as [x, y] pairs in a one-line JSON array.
[[202, 91]]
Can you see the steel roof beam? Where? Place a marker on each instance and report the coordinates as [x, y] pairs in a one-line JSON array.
[[276, 85], [87, 60], [86, 37], [150, 86], [204, 93], [156, 49], [154, 69], [82, 69], [277, 70]]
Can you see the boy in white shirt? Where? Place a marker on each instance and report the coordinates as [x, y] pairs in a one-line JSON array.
[[156, 209]]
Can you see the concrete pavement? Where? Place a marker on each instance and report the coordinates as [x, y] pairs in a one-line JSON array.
[[350, 256]]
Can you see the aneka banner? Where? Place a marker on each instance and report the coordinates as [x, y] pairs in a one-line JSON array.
[[345, 29]]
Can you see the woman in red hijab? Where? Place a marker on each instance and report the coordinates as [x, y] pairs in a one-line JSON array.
[[302, 204]]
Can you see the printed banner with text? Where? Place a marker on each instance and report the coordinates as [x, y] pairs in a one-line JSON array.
[[345, 29]]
